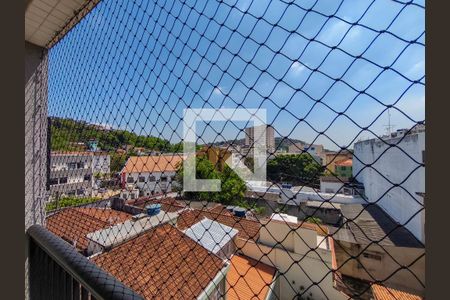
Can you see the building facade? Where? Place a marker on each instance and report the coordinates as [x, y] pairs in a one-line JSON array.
[[72, 173], [344, 168], [316, 151], [151, 174], [371, 247], [252, 134], [381, 164], [330, 158]]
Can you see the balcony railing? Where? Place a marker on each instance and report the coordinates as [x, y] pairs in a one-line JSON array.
[[58, 271]]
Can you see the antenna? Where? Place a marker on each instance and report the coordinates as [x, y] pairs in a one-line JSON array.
[[389, 126]]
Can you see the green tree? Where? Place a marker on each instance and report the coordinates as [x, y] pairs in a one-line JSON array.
[[69, 201], [296, 169], [118, 161], [232, 186]]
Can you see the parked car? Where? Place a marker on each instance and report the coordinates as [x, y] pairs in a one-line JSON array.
[[286, 185]]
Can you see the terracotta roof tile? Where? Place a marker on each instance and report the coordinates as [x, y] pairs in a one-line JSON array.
[[220, 209], [248, 279], [344, 163], [248, 229], [73, 224], [152, 163], [384, 293], [162, 264]]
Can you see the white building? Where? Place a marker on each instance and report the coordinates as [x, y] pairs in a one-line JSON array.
[[101, 163], [380, 167], [71, 173], [151, 174], [316, 151], [255, 133], [283, 243], [340, 185]]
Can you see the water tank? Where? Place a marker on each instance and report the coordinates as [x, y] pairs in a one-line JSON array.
[[230, 208], [239, 212], [153, 209]]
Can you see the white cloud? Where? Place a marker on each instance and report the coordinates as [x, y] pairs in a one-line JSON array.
[[297, 67], [331, 35], [243, 5], [418, 69]]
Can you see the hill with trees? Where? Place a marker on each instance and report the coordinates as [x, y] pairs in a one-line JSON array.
[[73, 135]]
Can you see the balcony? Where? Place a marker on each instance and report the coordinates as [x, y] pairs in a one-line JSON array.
[[117, 77], [58, 271]]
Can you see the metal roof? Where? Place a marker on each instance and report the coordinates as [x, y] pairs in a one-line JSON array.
[[210, 234], [127, 230]]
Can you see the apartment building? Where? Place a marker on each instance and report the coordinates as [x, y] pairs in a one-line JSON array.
[[332, 157], [391, 171], [315, 150], [372, 247], [343, 168], [253, 134], [151, 174], [298, 250], [72, 173]]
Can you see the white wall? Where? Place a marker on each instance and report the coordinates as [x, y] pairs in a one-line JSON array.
[[331, 187], [295, 198], [35, 168], [147, 185], [396, 166], [101, 164], [289, 250], [36, 62]]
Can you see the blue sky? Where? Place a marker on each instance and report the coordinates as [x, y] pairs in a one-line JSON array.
[[137, 64]]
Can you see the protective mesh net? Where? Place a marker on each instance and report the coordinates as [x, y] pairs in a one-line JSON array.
[[341, 214]]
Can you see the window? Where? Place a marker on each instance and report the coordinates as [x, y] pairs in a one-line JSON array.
[[71, 166], [141, 178], [152, 178], [87, 177], [53, 181], [63, 180], [80, 165], [163, 178], [130, 179]]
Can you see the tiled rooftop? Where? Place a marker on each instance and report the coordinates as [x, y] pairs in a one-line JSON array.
[[73, 224], [384, 293], [162, 264], [220, 209], [248, 279], [153, 163], [344, 163], [248, 229]]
